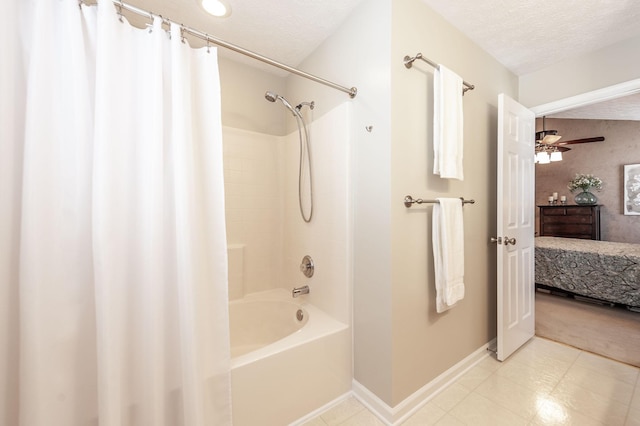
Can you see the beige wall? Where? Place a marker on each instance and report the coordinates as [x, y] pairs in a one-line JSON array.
[[603, 159], [242, 98], [425, 344], [603, 68]]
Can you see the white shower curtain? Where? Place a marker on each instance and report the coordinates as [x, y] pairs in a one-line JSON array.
[[113, 264]]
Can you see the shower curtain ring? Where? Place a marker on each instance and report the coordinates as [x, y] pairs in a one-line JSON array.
[[162, 22], [120, 5], [182, 30], [150, 24], [208, 43]]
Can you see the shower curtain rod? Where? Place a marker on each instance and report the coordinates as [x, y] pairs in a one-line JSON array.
[[352, 92]]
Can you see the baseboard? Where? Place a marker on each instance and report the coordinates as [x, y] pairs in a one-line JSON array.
[[325, 407], [401, 412]]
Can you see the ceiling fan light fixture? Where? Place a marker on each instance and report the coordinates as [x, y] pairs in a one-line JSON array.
[[542, 157], [555, 156]]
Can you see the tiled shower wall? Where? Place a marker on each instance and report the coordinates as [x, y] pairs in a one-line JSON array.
[[266, 236], [253, 199], [327, 237]]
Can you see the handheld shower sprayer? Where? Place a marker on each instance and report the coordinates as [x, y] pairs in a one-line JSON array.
[[304, 182], [272, 97]]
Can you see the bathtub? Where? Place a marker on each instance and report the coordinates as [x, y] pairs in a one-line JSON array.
[[258, 322], [289, 358]]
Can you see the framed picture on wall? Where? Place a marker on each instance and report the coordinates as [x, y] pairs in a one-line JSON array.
[[632, 189]]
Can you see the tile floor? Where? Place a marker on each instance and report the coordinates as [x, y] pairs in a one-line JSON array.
[[543, 383]]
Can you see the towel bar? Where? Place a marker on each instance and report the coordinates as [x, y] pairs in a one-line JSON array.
[[408, 62], [409, 201]]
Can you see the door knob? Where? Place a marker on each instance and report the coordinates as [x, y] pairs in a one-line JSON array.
[[506, 240]]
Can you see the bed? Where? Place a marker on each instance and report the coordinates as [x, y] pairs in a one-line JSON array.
[[601, 270]]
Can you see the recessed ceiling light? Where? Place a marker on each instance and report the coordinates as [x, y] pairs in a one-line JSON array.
[[218, 8]]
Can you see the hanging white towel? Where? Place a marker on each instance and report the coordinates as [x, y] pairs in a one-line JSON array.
[[448, 252], [447, 124]]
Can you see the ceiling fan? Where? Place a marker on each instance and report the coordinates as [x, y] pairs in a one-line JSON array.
[[550, 148]]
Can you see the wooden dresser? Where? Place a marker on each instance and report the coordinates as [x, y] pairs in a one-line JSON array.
[[570, 221]]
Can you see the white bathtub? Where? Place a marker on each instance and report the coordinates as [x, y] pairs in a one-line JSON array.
[[283, 368], [258, 322]]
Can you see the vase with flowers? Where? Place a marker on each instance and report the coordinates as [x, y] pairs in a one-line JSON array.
[[584, 183]]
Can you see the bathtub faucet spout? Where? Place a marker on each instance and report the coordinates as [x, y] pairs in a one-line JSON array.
[[300, 290]]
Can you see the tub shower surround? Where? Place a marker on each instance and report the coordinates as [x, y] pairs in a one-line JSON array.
[[284, 368]]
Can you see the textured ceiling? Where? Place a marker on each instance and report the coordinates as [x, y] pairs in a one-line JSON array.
[[526, 35], [625, 108]]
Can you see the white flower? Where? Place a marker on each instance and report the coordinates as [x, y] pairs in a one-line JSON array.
[[585, 182]]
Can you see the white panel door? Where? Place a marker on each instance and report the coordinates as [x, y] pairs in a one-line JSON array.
[[516, 215]]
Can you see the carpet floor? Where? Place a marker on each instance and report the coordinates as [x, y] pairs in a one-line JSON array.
[[607, 331]]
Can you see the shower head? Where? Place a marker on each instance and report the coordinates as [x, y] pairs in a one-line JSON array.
[[272, 97]]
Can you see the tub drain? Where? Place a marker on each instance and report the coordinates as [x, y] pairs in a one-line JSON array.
[[300, 315]]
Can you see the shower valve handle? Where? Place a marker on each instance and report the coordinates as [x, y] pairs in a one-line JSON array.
[[307, 267]]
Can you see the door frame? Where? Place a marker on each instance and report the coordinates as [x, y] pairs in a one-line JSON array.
[[626, 88]]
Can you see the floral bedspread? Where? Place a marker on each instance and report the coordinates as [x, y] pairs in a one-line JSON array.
[[599, 269]]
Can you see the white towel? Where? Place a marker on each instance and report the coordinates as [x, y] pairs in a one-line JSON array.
[[448, 252], [447, 124]]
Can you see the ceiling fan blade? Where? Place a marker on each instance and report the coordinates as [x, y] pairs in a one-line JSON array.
[[563, 148], [586, 140], [550, 139]]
